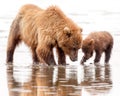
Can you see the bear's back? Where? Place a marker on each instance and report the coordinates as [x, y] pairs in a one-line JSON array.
[[102, 39], [29, 8]]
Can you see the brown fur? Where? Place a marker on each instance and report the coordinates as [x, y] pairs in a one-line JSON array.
[[99, 42], [42, 30]]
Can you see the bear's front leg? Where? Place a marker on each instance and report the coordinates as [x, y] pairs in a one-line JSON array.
[[34, 56], [83, 60], [61, 56], [97, 57], [46, 54]]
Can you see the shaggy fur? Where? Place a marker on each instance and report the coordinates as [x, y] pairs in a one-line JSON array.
[[42, 30], [99, 42]]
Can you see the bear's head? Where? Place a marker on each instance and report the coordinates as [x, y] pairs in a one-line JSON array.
[[87, 49], [70, 42]]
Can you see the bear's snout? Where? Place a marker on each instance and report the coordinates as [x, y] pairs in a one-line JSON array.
[[73, 55], [74, 58]]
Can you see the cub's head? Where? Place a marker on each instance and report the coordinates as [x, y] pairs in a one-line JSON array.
[[70, 42], [87, 49]]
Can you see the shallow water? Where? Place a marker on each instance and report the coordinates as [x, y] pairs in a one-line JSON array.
[[23, 79], [70, 80]]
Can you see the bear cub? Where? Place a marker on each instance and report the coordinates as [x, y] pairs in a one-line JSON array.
[[99, 42]]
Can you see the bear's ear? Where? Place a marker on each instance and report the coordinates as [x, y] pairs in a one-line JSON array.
[[67, 31], [91, 42]]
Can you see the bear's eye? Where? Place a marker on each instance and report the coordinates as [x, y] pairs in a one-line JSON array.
[[64, 45], [85, 50], [68, 35]]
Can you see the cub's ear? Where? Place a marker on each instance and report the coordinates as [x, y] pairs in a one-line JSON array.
[[67, 31], [91, 42]]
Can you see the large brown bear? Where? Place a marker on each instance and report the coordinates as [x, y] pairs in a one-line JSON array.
[[42, 30], [99, 42]]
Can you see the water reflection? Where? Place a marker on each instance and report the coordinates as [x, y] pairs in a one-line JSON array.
[[67, 84], [57, 80], [97, 79], [19, 81]]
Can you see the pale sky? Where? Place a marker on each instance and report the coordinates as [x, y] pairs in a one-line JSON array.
[[68, 5]]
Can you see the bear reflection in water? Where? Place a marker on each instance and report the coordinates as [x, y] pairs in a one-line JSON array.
[[58, 80], [43, 81], [97, 79], [97, 74]]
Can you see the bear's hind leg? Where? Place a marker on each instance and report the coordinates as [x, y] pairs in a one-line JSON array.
[[107, 54], [12, 43], [13, 39], [61, 56]]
